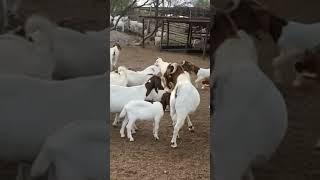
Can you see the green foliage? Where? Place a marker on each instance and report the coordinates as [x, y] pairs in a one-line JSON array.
[[117, 6], [201, 3]]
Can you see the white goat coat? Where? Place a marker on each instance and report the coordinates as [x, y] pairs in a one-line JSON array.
[[250, 117], [118, 79], [20, 56], [77, 151], [142, 110], [31, 109], [137, 78], [162, 65], [120, 96], [203, 73], [114, 56], [78, 54], [184, 98], [299, 36]]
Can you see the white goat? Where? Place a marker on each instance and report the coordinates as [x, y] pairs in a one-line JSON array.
[[135, 27], [136, 78], [119, 78], [184, 100], [250, 113], [76, 151], [120, 24], [291, 42], [141, 110], [32, 58], [162, 65], [120, 96], [152, 69], [54, 103], [157, 41], [76, 54], [114, 55], [158, 34]]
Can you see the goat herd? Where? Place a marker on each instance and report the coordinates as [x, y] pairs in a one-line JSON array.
[[145, 95], [250, 117]]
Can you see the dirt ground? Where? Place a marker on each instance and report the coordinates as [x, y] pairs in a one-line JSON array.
[[146, 158]]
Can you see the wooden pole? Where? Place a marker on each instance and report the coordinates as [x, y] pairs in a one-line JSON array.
[[189, 35], [205, 42], [142, 32], [162, 29], [187, 45], [168, 33]]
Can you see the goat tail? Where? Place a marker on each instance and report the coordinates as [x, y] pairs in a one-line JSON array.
[[123, 113], [41, 164]]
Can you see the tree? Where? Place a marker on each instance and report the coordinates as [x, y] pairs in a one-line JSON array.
[[124, 8], [173, 3], [117, 6], [201, 3]]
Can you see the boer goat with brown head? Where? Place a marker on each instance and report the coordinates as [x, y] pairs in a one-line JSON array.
[[120, 95]]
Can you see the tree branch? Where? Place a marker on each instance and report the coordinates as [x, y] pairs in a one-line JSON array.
[[124, 12], [145, 3]]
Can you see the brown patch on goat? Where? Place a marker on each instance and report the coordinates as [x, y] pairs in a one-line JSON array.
[[153, 83], [189, 67], [165, 100], [310, 63], [254, 18], [249, 16], [171, 77], [206, 81]]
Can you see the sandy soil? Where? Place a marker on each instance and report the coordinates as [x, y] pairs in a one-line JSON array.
[[147, 159]]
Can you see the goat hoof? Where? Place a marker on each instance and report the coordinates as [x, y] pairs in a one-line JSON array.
[[173, 145], [156, 139], [123, 136], [131, 139], [191, 129]]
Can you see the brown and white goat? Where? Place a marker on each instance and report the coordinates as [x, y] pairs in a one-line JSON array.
[[202, 74]]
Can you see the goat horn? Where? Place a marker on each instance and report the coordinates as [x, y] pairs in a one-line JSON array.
[[174, 68]]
